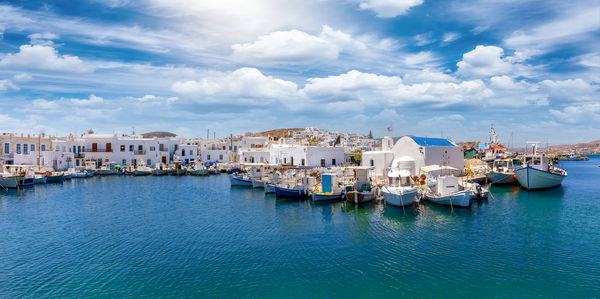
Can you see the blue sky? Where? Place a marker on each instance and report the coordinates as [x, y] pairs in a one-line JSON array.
[[532, 68]]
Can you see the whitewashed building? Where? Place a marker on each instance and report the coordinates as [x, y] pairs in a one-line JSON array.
[[380, 160], [313, 156], [429, 151]]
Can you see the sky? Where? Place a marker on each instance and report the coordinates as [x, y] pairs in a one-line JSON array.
[[427, 68]]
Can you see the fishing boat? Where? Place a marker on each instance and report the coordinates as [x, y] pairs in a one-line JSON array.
[[237, 179], [40, 178], [502, 172], [55, 177], [328, 189], [198, 170], [295, 188], [258, 183], [78, 173], [178, 169], [443, 187], [269, 187], [401, 189], [142, 170], [361, 191], [539, 172], [25, 182], [9, 181], [107, 168], [160, 170]]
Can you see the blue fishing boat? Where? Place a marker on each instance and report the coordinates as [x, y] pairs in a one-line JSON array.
[[290, 192], [239, 181]]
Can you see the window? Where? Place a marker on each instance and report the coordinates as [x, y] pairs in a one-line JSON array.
[[76, 162], [152, 148], [148, 162], [33, 147], [124, 162], [79, 149], [176, 146], [131, 147], [43, 147], [303, 162], [333, 162], [25, 149], [140, 147], [322, 162], [284, 160], [122, 147], [372, 162], [292, 160], [183, 152], [221, 157], [7, 148], [74, 149], [191, 152], [208, 157]]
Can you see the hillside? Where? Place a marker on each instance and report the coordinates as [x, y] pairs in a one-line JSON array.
[[278, 133]]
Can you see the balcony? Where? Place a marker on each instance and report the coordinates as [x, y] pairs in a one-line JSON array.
[[99, 150], [140, 152]]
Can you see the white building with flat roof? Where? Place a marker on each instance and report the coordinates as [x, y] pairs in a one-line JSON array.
[[302, 155]]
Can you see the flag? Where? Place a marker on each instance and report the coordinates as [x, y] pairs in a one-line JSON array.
[[389, 128], [338, 140]]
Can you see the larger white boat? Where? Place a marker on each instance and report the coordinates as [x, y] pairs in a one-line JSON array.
[[502, 172], [9, 181], [444, 188], [401, 191], [539, 172]]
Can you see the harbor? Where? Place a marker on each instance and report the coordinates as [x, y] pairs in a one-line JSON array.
[[140, 235]]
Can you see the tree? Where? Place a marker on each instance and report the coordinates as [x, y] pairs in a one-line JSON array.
[[357, 156], [370, 134]]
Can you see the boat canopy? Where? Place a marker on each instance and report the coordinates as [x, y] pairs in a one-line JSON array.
[[434, 168]]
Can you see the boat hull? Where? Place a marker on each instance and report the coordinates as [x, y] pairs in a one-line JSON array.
[[238, 181], [11, 182], [531, 178], [398, 196], [498, 178], [269, 188], [178, 172], [55, 179], [357, 197], [199, 172], [258, 184], [159, 172], [26, 182], [316, 196], [41, 180], [458, 199], [105, 172], [289, 193], [142, 173]]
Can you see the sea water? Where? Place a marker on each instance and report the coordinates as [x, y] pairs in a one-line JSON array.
[[186, 236]]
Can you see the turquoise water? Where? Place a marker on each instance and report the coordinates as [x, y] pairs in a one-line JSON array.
[[198, 237]]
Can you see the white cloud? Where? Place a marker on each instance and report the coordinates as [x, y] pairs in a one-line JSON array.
[[244, 82], [389, 8], [450, 37], [484, 61], [424, 39], [573, 26], [571, 89], [7, 85], [42, 38], [296, 46], [421, 59], [590, 60], [579, 114], [22, 77], [428, 75], [44, 58], [91, 101]]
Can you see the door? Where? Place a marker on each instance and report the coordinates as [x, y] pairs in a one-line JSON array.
[[94, 147], [109, 147], [164, 159]]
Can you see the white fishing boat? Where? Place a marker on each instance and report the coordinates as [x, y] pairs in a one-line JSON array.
[[142, 170], [39, 178], [443, 187], [328, 189], [401, 190], [502, 172], [198, 170], [162, 169], [9, 181], [539, 172], [178, 169], [107, 168], [258, 183], [269, 187]]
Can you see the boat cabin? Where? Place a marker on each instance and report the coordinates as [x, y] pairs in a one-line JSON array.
[[536, 161], [503, 165]]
